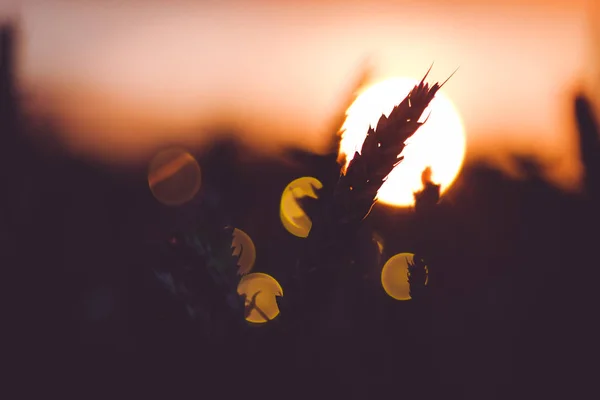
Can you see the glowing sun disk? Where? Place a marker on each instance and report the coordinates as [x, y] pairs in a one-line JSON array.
[[440, 143]]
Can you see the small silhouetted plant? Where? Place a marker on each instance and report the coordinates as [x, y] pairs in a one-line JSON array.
[[417, 277], [426, 201], [429, 196]]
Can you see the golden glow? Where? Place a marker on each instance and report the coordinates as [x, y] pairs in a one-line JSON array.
[[244, 247], [439, 144], [263, 289], [174, 177], [394, 276], [167, 91], [293, 217]]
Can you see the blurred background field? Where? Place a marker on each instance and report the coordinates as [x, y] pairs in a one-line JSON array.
[[91, 91]]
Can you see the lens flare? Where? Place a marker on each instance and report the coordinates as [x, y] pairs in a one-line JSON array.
[[243, 246], [394, 276], [293, 217], [174, 177], [260, 290]]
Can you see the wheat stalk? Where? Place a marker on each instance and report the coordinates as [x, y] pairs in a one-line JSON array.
[[356, 190], [353, 196], [338, 215]]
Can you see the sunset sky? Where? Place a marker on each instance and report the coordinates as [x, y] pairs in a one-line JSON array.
[[122, 76]]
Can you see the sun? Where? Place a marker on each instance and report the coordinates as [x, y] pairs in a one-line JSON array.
[[439, 144]]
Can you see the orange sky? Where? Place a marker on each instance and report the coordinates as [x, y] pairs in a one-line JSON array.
[[130, 73]]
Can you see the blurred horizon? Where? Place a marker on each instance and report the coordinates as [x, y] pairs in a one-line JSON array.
[[159, 74]]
